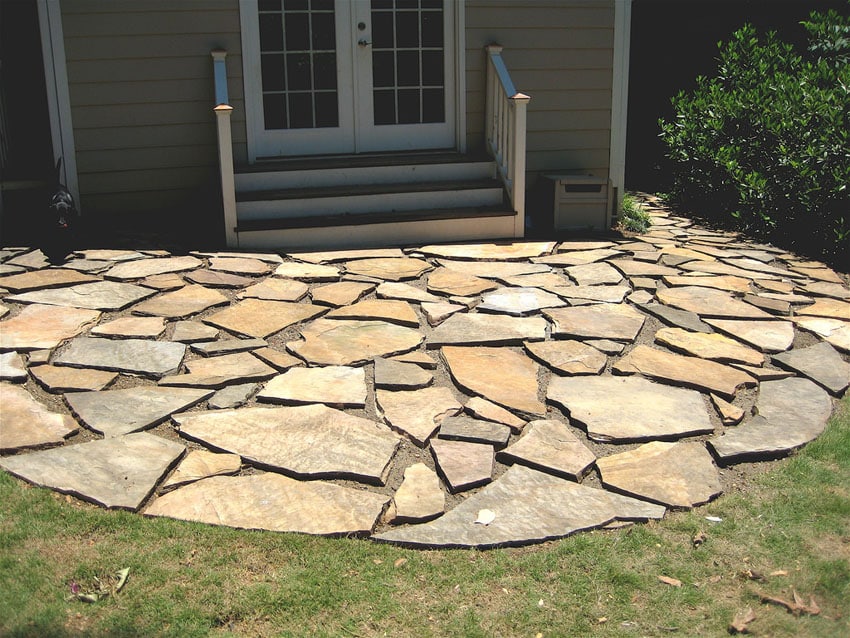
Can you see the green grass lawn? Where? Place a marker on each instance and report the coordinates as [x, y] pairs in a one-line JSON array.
[[784, 530]]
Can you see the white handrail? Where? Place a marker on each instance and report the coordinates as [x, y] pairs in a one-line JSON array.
[[223, 111], [505, 131]]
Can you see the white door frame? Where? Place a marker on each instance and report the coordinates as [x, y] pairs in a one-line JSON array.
[[455, 73]]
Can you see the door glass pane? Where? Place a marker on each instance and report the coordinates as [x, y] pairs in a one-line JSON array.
[[298, 63], [408, 56]]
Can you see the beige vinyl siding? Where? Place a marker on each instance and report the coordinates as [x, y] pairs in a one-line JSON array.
[[561, 54], [141, 88]]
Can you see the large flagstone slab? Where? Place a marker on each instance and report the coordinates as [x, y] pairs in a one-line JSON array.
[[45, 278], [275, 289], [466, 428], [25, 423], [406, 292], [349, 342], [437, 313], [217, 372], [65, 379], [550, 446], [307, 441], [400, 375], [676, 317], [595, 274], [708, 346], [487, 329], [709, 302], [330, 256], [680, 474], [568, 357], [833, 331], [829, 308], [484, 409], [140, 268], [12, 367], [637, 268], [116, 412], [507, 251], [273, 502], [820, 363], [99, 295], [630, 408], [519, 301], [683, 370], [419, 498], [767, 336], [791, 412], [128, 327], [335, 385], [389, 268], [500, 270], [448, 281], [417, 413], [605, 294], [119, 472], [201, 464], [722, 268], [188, 331], [728, 283], [240, 265], [827, 289], [137, 356], [181, 303], [529, 507], [217, 279], [340, 293], [391, 310], [500, 375], [261, 318], [307, 272], [577, 258], [463, 465], [548, 281], [603, 321]]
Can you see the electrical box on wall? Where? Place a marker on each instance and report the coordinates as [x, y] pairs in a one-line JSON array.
[[580, 202]]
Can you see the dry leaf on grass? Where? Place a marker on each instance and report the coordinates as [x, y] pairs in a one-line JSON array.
[[797, 607], [741, 621], [699, 539], [399, 562], [673, 582]]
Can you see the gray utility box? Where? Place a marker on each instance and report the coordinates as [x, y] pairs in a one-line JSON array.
[[580, 202]]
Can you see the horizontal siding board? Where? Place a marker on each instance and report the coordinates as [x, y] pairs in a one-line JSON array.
[[528, 16], [141, 181], [123, 7], [547, 121], [553, 38], [594, 162], [141, 114], [141, 22], [97, 94], [149, 69], [159, 136], [576, 140], [116, 160], [141, 47]]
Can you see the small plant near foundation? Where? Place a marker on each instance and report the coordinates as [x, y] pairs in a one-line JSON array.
[[633, 217]]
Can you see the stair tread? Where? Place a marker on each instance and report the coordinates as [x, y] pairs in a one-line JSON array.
[[272, 164], [365, 189], [357, 219]]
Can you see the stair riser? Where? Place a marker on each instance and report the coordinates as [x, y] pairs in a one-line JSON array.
[[369, 203], [250, 182]]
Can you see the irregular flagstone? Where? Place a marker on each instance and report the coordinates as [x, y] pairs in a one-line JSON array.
[[139, 356], [406, 292], [116, 412], [111, 255], [833, 331], [417, 413], [40, 327], [603, 321], [437, 313], [484, 409], [568, 246], [501, 375], [723, 268], [607, 294], [446, 281], [828, 308], [730, 414], [12, 367], [817, 271], [272, 258], [764, 374], [228, 346], [676, 317], [63, 379], [277, 359], [389, 268], [640, 297], [508, 251], [827, 289], [683, 370], [630, 408], [728, 283], [217, 372], [391, 310], [167, 281], [761, 268], [568, 357], [550, 446], [773, 306], [767, 336], [708, 346], [463, 465], [215, 279], [33, 259], [500, 270], [337, 385], [348, 342], [240, 265], [274, 289], [261, 318], [119, 472], [577, 258], [519, 301], [340, 293], [636, 268], [201, 464], [420, 497], [307, 441], [479, 329], [140, 268], [46, 278], [464, 428], [4, 310], [530, 506], [545, 281], [232, 396], [142, 327], [679, 474], [100, 295], [595, 274], [422, 359], [397, 374], [273, 502], [820, 363], [791, 412], [709, 302], [307, 272], [331, 256], [184, 302], [193, 332], [606, 345], [26, 423]]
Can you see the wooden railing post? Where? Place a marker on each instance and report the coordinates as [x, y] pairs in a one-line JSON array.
[[519, 104], [223, 111]]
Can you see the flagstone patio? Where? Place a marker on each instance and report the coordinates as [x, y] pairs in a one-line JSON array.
[[467, 395]]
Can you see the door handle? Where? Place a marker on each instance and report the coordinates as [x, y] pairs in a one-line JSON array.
[[364, 43]]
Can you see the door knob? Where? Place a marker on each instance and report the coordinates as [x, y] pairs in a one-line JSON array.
[[364, 43]]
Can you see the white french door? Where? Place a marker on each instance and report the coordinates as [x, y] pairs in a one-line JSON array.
[[348, 76]]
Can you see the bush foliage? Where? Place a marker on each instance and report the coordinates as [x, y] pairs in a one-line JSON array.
[[766, 143]]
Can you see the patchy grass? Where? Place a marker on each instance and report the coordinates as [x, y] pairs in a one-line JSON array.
[[786, 530], [633, 217]]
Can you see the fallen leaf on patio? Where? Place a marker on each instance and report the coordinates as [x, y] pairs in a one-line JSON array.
[[699, 539], [797, 607], [741, 620], [673, 582], [485, 517]]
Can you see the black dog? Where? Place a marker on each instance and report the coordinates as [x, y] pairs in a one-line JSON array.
[[62, 217]]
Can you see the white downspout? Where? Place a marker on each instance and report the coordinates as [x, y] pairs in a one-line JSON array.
[[619, 100]]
